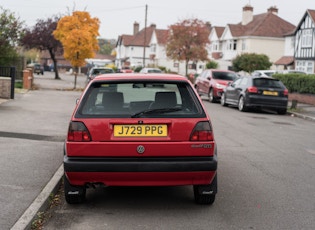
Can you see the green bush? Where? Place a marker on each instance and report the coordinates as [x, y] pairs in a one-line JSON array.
[[212, 65], [298, 83], [18, 84]]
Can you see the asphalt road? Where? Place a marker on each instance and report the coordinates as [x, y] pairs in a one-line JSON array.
[[266, 181], [33, 127]]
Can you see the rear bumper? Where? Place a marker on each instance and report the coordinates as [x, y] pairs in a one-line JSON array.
[[267, 101], [140, 171]]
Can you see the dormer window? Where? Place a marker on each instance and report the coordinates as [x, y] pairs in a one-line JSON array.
[[153, 48]]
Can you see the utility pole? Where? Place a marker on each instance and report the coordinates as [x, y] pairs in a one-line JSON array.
[[145, 33]]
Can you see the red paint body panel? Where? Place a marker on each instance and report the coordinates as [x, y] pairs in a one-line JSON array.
[[141, 179]]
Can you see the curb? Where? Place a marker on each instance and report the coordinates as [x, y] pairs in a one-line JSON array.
[[305, 117], [41, 202]]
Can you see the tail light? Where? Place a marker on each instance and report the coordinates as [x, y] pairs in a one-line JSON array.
[[252, 89], [202, 132], [78, 132], [286, 92]]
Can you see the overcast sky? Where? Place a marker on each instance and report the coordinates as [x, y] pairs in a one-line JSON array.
[[117, 16]]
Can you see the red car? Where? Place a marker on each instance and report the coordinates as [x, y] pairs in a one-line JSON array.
[[126, 69], [212, 82], [140, 130]]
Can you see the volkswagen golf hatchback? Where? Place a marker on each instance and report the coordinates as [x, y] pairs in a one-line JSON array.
[[140, 130]]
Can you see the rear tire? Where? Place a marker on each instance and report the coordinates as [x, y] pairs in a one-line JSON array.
[[282, 111], [241, 104], [73, 194], [223, 103], [209, 197], [211, 96]]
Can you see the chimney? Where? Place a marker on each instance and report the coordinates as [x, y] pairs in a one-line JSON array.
[[273, 9], [153, 26], [135, 28], [247, 14], [208, 25]]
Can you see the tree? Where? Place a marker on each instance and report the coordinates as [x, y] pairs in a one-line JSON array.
[[212, 65], [249, 62], [187, 41], [10, 32], [41, 37], [78, 35], [106, 47]]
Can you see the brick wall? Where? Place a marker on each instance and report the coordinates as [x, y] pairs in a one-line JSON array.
[[303, 98]]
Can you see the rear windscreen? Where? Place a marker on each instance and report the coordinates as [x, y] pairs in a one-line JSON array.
[[270, 83], [140, 99], [224, 76]]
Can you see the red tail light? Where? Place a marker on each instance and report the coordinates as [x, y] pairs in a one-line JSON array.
[[202, 132], [286, 92], [78, 132], [252, 89]]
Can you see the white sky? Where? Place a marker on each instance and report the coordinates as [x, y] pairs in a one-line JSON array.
[[117, 16]]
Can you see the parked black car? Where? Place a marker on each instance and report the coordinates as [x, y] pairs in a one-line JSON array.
[[38, 69], [256, 92]]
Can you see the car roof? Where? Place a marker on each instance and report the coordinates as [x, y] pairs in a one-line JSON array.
[[221, 70], [101, 67], [140, 76]]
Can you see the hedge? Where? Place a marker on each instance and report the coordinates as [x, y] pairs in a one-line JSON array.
[[298, 83]]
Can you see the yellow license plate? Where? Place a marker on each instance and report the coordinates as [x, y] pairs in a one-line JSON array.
[[159, 130], [270, 93]]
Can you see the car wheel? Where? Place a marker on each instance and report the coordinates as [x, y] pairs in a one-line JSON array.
[[241, 104], [282, 111], [211, 97], [223, 102], [73, 194], [208, 196]]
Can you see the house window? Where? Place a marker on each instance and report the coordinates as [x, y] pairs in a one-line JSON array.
[[234, 44], [231, 44], [153, 48], [244, 44], [215, 46], [305, 66], [307, 38]]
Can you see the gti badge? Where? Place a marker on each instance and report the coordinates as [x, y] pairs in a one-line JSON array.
[[140, 149]]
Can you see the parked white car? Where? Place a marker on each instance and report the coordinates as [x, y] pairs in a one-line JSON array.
[[264, 73], [150, 70]]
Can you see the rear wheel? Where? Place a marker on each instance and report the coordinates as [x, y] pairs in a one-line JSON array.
[[223, 102], [241, 104], [73, 194], [211, 96], [282, 111], [205, 194]]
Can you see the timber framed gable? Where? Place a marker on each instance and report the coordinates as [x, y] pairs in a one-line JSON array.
[[304, 48]]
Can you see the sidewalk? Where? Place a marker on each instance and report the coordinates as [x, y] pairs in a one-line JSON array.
[[303, 111], [33, 127]]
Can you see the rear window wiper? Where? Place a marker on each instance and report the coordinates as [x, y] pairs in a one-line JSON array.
[[155, 111]]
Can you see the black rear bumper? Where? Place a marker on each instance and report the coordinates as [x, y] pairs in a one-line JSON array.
[[132, 164]]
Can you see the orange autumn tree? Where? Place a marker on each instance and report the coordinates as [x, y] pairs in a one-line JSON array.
[[78, 36]]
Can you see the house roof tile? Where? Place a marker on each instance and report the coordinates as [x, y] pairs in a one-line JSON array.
[[144, 34], [219, 30], [285, 60], [312, 14], [263, 25]]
